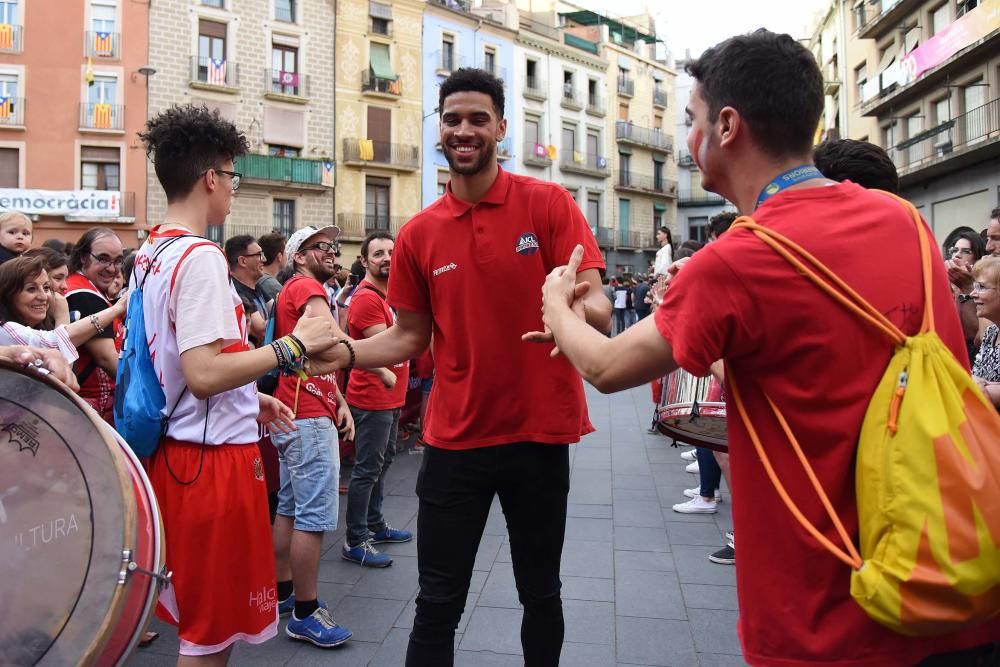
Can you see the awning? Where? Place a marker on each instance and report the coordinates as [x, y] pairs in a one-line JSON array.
[[657, 75], [659, 208], [624, 63], [628, 32], [624, 150], [380, 63]]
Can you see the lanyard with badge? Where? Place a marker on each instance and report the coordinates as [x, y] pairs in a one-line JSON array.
[[794, 176]]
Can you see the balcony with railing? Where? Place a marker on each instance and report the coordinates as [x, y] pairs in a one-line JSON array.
[[100, 117], [596, 105], [291, 172], [699, 197], [534, 89], [586, 164], [505, 149], [878, 18], [369, 152], [646, 184], [494, 69], [455, 5], [12, 112], [626, 87], [605, 237], [629, 239], [570, 98], [215, 74], [381, 86], [11, 38], [965, 139], [282, 85], [380, 27], [629, 133], [448, 61], [660, 98], [358, 225], [686, 160], [101, 44], [536, 155]]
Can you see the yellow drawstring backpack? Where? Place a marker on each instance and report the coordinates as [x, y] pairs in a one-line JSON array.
[[927, 476]]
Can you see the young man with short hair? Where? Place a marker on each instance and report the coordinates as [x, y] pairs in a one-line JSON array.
[[754, 108], [207, 473], [469, 268], [309, 456], [376, 399], [273, 247]]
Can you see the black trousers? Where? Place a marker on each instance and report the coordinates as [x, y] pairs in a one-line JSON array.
[[456, 489]]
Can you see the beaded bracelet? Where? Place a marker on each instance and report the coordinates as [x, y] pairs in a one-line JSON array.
[[97, 323], [350, 349], [291, 356]]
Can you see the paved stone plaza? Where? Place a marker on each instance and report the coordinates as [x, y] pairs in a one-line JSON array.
[[638, 588]]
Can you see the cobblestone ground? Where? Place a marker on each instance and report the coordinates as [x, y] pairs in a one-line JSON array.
[[638, 588]]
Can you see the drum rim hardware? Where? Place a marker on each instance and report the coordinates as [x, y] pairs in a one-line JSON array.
[[129, 567]]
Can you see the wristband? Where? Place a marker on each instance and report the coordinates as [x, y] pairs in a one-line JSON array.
[[97, 323], [350, 349]]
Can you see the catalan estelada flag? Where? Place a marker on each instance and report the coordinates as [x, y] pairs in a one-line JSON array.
[[6, 36], [329, 175], [6, 107], [104, 43], [102, 116]]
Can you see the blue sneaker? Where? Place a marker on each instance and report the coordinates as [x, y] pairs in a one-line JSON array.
[[366, 555], [319, 629], [287, 606], [390, 534]]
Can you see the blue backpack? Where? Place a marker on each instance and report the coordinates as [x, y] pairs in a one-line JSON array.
[[139, 398]]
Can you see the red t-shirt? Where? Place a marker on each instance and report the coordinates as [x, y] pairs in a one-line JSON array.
[[365, 390], [737, 299], [317, 396], [478, 271]]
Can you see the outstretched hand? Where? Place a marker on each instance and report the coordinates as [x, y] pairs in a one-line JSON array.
[[561, 290]]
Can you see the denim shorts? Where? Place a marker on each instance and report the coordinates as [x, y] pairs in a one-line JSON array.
[[309, 465]]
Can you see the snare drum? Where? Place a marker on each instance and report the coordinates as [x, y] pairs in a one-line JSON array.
[[693, 410], [81, 547]]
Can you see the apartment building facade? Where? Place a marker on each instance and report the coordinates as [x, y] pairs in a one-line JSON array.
[[72, 97], [266, 65], [641, 84], [456, 35], [922, 80], [379, 111]]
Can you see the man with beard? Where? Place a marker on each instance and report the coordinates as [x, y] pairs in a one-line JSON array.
[[376, 398], [308, 457], [503, 411]]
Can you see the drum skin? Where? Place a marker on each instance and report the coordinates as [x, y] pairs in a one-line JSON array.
[[693, 410], [68, 509]]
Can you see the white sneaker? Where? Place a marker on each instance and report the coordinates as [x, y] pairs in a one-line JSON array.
[[689, 455], [697, 505], [696, 493], [692, 468]]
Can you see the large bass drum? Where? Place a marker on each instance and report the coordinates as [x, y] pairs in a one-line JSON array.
[[693, 410], [81, 546]]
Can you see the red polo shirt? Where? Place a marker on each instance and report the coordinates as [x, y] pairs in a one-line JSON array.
[[478, 270]]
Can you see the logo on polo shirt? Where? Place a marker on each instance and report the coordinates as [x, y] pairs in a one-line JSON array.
[[445, 269], [527, 244]]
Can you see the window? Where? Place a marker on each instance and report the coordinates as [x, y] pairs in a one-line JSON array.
[[531, 130], [965, 6], [211, 46], [9, 168], [657, 217], [860, 79], [376, 203], [284, 10], [592, 99], [859, 15], [940, 18], [594, 211], [103, 15], [972, 96], [568, 85], [100, 168], [8, 85], [380, 26], [569, 141], [593, 146], [624, 162], [623, 111], [698, 229], [658, 183], [942, 110], [657, 121], [447, 53], [284, 69], [8, 12], [103, 91], [914, 126], [284, 216], [624, 217], [974, 123], [220, 4], [282, 151], [531, 74], [490, 60], [442, 182]]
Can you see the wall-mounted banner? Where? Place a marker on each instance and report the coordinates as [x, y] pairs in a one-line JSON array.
[[970, 28], [62, 202]]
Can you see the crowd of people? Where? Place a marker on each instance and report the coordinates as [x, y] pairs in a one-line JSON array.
[[270, 352]]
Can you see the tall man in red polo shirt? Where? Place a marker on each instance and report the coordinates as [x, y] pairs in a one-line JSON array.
[[469, 268], [753, 110]]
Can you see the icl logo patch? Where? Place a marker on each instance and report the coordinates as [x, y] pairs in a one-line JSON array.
[[527, 244]]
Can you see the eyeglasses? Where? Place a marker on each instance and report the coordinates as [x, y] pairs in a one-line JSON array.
[[105, 260], [235, 175], [322, 246], [961, 251], [256, 254], [981, 287]]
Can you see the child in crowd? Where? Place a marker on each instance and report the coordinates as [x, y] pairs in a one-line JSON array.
[[15, 234]]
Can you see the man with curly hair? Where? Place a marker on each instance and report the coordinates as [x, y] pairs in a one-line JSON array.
[[207, 472]]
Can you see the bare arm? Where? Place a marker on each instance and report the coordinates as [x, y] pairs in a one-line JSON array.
[[404, 340], [83, 330], [386, 375], [102, 349], [596, 306]]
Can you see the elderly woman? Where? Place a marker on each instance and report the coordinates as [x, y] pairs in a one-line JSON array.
[[963, 248], [25, 319], [986, 295]]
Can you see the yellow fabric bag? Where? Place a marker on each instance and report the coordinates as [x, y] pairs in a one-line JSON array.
[[927, 476]]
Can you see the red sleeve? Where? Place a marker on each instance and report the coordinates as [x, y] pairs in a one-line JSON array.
[[706, 314], [301, 291], [366, 310], [407, 282], [567, 228]]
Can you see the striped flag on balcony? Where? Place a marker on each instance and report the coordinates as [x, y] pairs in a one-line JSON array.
[[102, 116], [216, 72], [104, 43], [395, 87], [6, 36], [329, 175], [6, 107], [366, 149]]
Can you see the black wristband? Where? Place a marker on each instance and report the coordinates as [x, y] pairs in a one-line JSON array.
[[296, 340], [350, 349]]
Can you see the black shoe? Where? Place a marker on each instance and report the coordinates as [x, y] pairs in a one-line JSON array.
[[724, 556]]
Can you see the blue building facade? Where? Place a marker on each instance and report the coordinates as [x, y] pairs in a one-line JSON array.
[[456, 35]]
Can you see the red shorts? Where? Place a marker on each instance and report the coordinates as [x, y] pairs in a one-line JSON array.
[[218, 539]]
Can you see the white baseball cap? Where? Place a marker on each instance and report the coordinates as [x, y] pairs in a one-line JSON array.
[[299, 238]]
